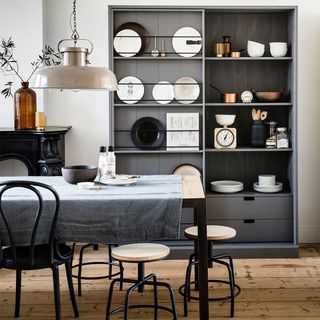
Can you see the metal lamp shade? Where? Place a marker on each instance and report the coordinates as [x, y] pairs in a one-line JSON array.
[[74, 77], [74, 73]]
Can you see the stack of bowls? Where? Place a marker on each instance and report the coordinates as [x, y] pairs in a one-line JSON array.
[[255, 49], [226, 186], [278, 49]]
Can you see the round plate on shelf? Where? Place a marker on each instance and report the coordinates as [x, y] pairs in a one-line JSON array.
[[127, 43], [187, 169], [162, 92], [130, 89], [186, 90], [140, 30], [147, 133], [268, 189], [226, 186], [187, 42]]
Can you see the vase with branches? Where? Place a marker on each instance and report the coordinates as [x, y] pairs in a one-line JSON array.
[[24, 98]]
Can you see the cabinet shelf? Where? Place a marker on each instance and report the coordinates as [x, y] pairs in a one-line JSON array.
[[248, 193], [158, 105], [136, 151], [248, 59], [252, 104], [276, 229], [158, 58], [250, 150]]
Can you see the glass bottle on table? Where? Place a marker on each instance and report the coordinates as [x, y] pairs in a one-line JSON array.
[[102, 165], [111, 162]]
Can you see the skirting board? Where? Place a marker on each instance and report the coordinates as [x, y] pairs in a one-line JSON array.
[[309, 234]]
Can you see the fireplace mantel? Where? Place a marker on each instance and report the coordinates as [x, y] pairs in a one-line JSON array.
[[42, 152]]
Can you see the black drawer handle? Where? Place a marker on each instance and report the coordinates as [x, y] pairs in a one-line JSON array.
[[249, 221], [248, 198]]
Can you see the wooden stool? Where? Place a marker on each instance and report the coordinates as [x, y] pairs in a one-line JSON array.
[[214, 233], [80, 265], [140, 253]]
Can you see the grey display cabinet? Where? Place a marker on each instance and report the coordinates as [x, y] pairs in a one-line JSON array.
[[266, 224]]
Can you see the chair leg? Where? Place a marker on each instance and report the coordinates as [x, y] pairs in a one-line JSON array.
[[80, 266], [110, 260], [173, 303], [231, 282], [56, 287], [186, 296], [110, 298], [71, 288], [18, 293], [121, 275], [155, 297]]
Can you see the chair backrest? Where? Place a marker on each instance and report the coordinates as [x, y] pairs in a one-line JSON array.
[[8, 236]]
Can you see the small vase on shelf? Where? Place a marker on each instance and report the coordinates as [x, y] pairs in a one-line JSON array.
[[25, 106]]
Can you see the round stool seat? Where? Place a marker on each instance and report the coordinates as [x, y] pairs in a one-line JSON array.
[[214, 232], [140, 252]]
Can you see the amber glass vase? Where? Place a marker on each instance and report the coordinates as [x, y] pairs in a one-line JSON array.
[[25, 106]]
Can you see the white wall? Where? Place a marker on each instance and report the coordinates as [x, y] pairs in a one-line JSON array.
[[88, 114]]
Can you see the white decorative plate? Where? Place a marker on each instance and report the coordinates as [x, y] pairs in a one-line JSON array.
[[127, 43], [268, 189], [130, 89], [162, 92], [187, 169], [118, 180], [186, 90], [187, 42]]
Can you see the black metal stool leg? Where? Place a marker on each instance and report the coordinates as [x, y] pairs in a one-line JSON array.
[[155, 297], [110, 298], [140, 276], [80, 266], [171, 293], [187, 289], [121, 275]]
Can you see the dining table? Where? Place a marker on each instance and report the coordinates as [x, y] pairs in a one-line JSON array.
[[148, 210]]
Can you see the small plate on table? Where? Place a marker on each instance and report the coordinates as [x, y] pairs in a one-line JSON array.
[[119, 180]]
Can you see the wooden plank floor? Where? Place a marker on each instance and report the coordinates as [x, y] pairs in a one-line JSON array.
[[271, 289]]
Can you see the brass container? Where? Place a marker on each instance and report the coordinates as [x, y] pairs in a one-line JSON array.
[[227, 46], [229, 97], [218, 49]]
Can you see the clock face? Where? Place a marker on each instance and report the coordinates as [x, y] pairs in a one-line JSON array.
[[225, 137]]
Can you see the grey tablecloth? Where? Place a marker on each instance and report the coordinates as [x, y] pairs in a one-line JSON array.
[[148, 209]]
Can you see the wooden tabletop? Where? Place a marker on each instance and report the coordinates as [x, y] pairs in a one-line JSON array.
[[192, 187]]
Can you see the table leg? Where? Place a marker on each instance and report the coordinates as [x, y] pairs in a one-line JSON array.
[[200, 212]]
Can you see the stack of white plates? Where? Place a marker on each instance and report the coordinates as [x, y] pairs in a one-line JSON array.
[[268, 189], [226, 186]]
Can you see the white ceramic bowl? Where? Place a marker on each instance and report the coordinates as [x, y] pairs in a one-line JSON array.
[[255, 49], [278, 49], [225, 119]]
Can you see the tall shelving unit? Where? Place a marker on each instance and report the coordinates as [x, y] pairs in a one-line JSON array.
[[266, 223]]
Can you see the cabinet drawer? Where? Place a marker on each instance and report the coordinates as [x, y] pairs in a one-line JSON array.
[[251, 230], [247, 207]]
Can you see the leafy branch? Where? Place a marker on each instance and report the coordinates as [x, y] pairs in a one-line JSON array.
[[8, 64]]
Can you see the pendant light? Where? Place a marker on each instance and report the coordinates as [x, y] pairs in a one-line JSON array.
[[74, 72]]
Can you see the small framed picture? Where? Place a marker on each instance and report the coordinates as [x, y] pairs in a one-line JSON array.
[[183, 131]]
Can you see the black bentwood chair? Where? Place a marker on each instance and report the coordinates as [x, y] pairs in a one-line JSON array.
[[31, 255]]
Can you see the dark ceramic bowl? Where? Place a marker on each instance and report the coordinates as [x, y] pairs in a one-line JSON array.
[[79, 173]]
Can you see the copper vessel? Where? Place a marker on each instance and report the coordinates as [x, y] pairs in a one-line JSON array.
[[218, 49], [229, 97]]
